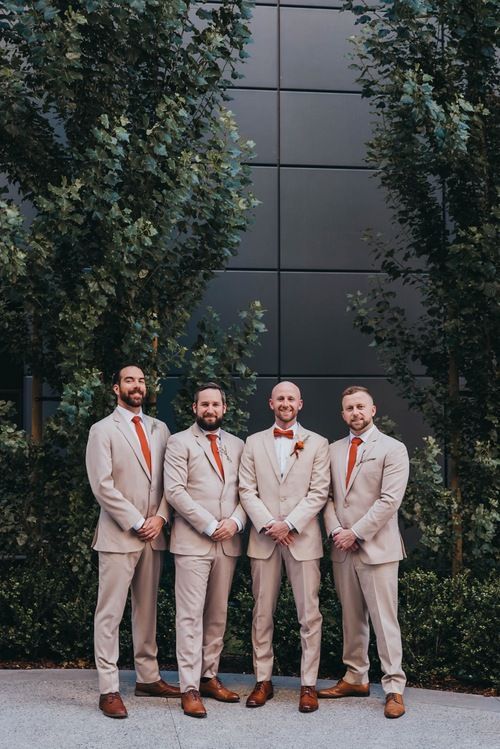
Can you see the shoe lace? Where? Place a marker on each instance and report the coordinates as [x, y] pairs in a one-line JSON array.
[[194, 693], [393, 696], [259, 687], [307, 690]]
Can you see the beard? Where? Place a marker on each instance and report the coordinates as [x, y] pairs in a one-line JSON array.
[[209, 426], [359, 425], [133, 400]]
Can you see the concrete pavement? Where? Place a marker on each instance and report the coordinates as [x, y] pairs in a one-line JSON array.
[[57, 709]]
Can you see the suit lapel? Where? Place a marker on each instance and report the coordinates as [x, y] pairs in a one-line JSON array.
[[126, 430], [364, 451], [204, 443], [292, 458], [271, 451]]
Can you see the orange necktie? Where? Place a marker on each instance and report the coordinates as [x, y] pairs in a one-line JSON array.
[[288, 433], [353, 451], [142, 439], [215, 450]]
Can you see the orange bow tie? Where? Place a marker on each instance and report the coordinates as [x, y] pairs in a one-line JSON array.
[[288, 433]]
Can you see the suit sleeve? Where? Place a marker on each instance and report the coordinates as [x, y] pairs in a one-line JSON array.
[[394, 480], [314, 501], [329, 515], [163, 509], [100, 473], [176, 483], [249, 490]]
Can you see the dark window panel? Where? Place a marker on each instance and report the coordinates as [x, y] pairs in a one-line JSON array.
[[256, 113], [317, 335], [314, 49], [324, 213], [261, 68], [323, 129], [259, 245]]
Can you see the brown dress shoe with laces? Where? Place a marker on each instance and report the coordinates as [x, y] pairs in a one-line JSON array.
[[261, 693], [156, 689], [112, 705], [344, 689], [394, 705], [215, 688], [308, 702], [192, 704]]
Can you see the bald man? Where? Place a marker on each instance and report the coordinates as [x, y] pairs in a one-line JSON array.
[[284, 482]]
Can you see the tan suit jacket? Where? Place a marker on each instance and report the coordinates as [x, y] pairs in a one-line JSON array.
[[121, 481], [297, 496], [197, 493], [369, 504]]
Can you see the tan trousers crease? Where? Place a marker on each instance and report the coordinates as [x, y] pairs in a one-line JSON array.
[[370, 591], [304, 578], [140, 571], [202, 587]]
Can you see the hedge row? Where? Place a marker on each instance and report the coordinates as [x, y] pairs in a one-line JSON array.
[[449, 625]]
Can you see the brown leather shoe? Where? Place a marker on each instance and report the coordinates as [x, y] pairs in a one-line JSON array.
[[308, 702], [344, 689], [261, 693], [394, 705], [215, 688], [156, 689], [192, 704], [112, 705]]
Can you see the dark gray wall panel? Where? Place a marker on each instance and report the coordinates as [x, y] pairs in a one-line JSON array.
[[317, 336], [257, 117], [231, 291], [261, 68], [321, 412], [324, 213], [314, 48], [323, 129], [259, 245]]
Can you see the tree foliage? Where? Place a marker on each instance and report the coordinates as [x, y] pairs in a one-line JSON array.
[[430, 70], [127, 189], [221, 355]]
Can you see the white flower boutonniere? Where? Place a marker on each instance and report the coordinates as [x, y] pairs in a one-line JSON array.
[[223, 451]]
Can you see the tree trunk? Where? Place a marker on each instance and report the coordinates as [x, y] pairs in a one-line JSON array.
[[454, 477], [36, 409]]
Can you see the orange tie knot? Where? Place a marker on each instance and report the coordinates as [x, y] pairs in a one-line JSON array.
[[212, 437], [356, 441]]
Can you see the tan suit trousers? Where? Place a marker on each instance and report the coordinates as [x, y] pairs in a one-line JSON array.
[[140, 571], [304, 578], [370, 591], [202, 587]]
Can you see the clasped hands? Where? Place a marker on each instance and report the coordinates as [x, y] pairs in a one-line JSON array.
[[151, 529], [280, 532], [226, 528], [346, 540]]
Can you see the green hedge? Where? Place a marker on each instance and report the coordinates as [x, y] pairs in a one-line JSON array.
[[449, 625]]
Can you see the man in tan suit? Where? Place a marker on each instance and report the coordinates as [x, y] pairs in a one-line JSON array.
[[284, 481], [125, 468], [369, 478], [201, 472]]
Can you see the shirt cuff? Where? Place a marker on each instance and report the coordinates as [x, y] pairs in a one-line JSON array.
[[139, 524], [159, 515], [211, 527], [290, 525], [238, 522], [336, 530], [269, 522]]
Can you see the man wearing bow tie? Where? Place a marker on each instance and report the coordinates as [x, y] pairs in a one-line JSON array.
[[201, 485], [284, 481], [369, 477], [125, 454]]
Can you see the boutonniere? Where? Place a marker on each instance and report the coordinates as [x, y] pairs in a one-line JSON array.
[[153, 426], [299, 446], [223, 451]]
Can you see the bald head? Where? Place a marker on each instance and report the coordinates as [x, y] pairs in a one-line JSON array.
[[285, 402]]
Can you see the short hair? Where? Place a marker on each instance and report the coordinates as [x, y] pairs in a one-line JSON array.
[[356, 389], [209, 386], [117, 374]]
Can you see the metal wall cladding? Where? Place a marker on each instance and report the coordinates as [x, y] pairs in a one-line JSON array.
[[305, 252]]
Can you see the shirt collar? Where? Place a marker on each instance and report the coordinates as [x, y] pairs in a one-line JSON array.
[[213, 431], [129, 415], [363, 437]]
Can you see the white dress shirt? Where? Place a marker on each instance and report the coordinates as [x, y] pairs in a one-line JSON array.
[[284, 449], [212, 526]]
